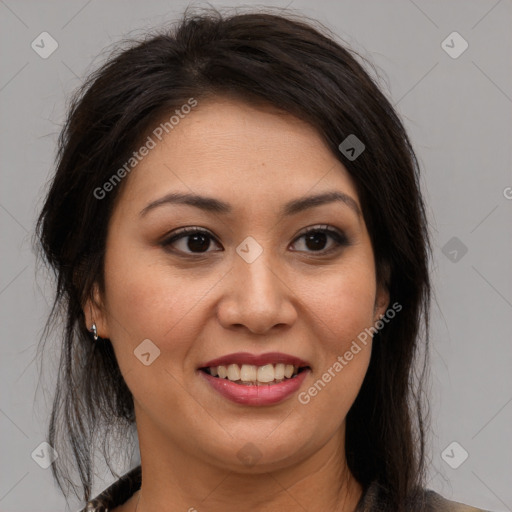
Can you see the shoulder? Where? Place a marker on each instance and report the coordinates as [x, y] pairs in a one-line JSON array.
[[425, 500], [437, 503], [117, 493]]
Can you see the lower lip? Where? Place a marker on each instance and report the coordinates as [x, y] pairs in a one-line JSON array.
[[265, 394]]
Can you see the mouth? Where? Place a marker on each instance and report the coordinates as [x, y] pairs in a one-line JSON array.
[[252, 375]]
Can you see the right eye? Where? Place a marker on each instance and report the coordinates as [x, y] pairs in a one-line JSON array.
[[195, 240]]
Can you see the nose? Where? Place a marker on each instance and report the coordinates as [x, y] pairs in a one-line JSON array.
[[257, 296]]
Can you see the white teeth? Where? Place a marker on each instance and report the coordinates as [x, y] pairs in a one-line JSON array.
[[279, 371], [251, 374], [248, 373], [288, 370], [233, 372], [266, 373]]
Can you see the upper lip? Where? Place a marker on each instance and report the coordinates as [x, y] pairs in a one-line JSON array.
[[255, 359]]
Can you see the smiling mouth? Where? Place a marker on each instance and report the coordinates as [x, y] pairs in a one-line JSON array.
[[252, 375]]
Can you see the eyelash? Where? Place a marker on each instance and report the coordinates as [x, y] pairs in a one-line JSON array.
[[340, 240]]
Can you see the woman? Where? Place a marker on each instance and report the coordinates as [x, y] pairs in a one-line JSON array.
[[241, 252]]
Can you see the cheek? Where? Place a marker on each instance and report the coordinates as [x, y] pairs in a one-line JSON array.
[[343, 302], [148, 300], [341, 308]]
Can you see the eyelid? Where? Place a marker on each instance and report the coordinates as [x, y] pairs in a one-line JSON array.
[[319, 227]]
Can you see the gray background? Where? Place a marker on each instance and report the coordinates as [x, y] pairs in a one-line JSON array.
[[458, 114]]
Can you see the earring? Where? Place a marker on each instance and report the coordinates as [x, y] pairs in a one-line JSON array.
[[94, 331]]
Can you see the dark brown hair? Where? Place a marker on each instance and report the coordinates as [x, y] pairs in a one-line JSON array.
[[280, 61]]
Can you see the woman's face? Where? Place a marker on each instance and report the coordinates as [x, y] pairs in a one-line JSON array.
[[250, 282]]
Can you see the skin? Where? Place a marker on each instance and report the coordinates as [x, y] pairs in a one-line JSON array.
[[294, 298]]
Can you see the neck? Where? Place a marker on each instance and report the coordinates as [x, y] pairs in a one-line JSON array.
[[317, 483]]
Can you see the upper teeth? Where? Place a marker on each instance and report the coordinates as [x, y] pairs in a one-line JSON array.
[[252, 373]]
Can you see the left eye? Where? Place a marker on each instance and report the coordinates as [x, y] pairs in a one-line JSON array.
[[199, 240], [315, 239]]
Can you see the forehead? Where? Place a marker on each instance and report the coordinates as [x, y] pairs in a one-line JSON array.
[[237, 152]]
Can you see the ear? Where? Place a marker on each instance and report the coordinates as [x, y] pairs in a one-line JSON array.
[[94, 312], [382, 294]]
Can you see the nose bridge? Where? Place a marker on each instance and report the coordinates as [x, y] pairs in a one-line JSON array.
[[256, 274], [258, 299]]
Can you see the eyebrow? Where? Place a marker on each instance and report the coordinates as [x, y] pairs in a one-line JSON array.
[[210, 204]]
